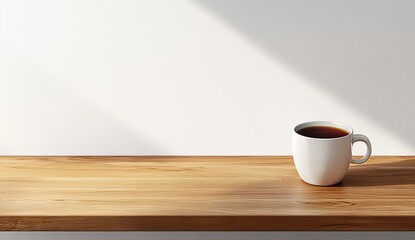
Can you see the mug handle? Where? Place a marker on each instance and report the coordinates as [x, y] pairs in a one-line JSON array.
[[362, 138]]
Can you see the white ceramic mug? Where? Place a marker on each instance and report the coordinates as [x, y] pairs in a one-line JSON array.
[[325, 161]]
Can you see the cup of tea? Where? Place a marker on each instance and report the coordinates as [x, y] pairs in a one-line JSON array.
[[322, 151]]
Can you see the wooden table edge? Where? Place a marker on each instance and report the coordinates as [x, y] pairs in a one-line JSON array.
[[207, 223]]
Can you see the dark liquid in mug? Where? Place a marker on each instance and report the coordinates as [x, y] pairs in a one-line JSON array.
[[322, 132]]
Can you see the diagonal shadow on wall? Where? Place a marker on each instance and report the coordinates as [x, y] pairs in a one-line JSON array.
[[46, 118], [363, 52]]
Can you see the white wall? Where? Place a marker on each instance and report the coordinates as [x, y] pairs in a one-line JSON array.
[[202, 76]]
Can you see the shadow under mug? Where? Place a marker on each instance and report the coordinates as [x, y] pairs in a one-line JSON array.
[[325, 161]]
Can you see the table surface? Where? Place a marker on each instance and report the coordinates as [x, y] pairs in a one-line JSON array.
[[160, 193]]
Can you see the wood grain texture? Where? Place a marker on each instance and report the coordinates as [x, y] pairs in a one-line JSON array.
[[200, 193]]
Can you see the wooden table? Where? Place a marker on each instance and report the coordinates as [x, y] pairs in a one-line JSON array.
[[200, 193]]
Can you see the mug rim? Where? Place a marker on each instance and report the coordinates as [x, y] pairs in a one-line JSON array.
[[325, 124]]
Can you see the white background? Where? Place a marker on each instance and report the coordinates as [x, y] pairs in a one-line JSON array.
[[202, 77], [205, 77]]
